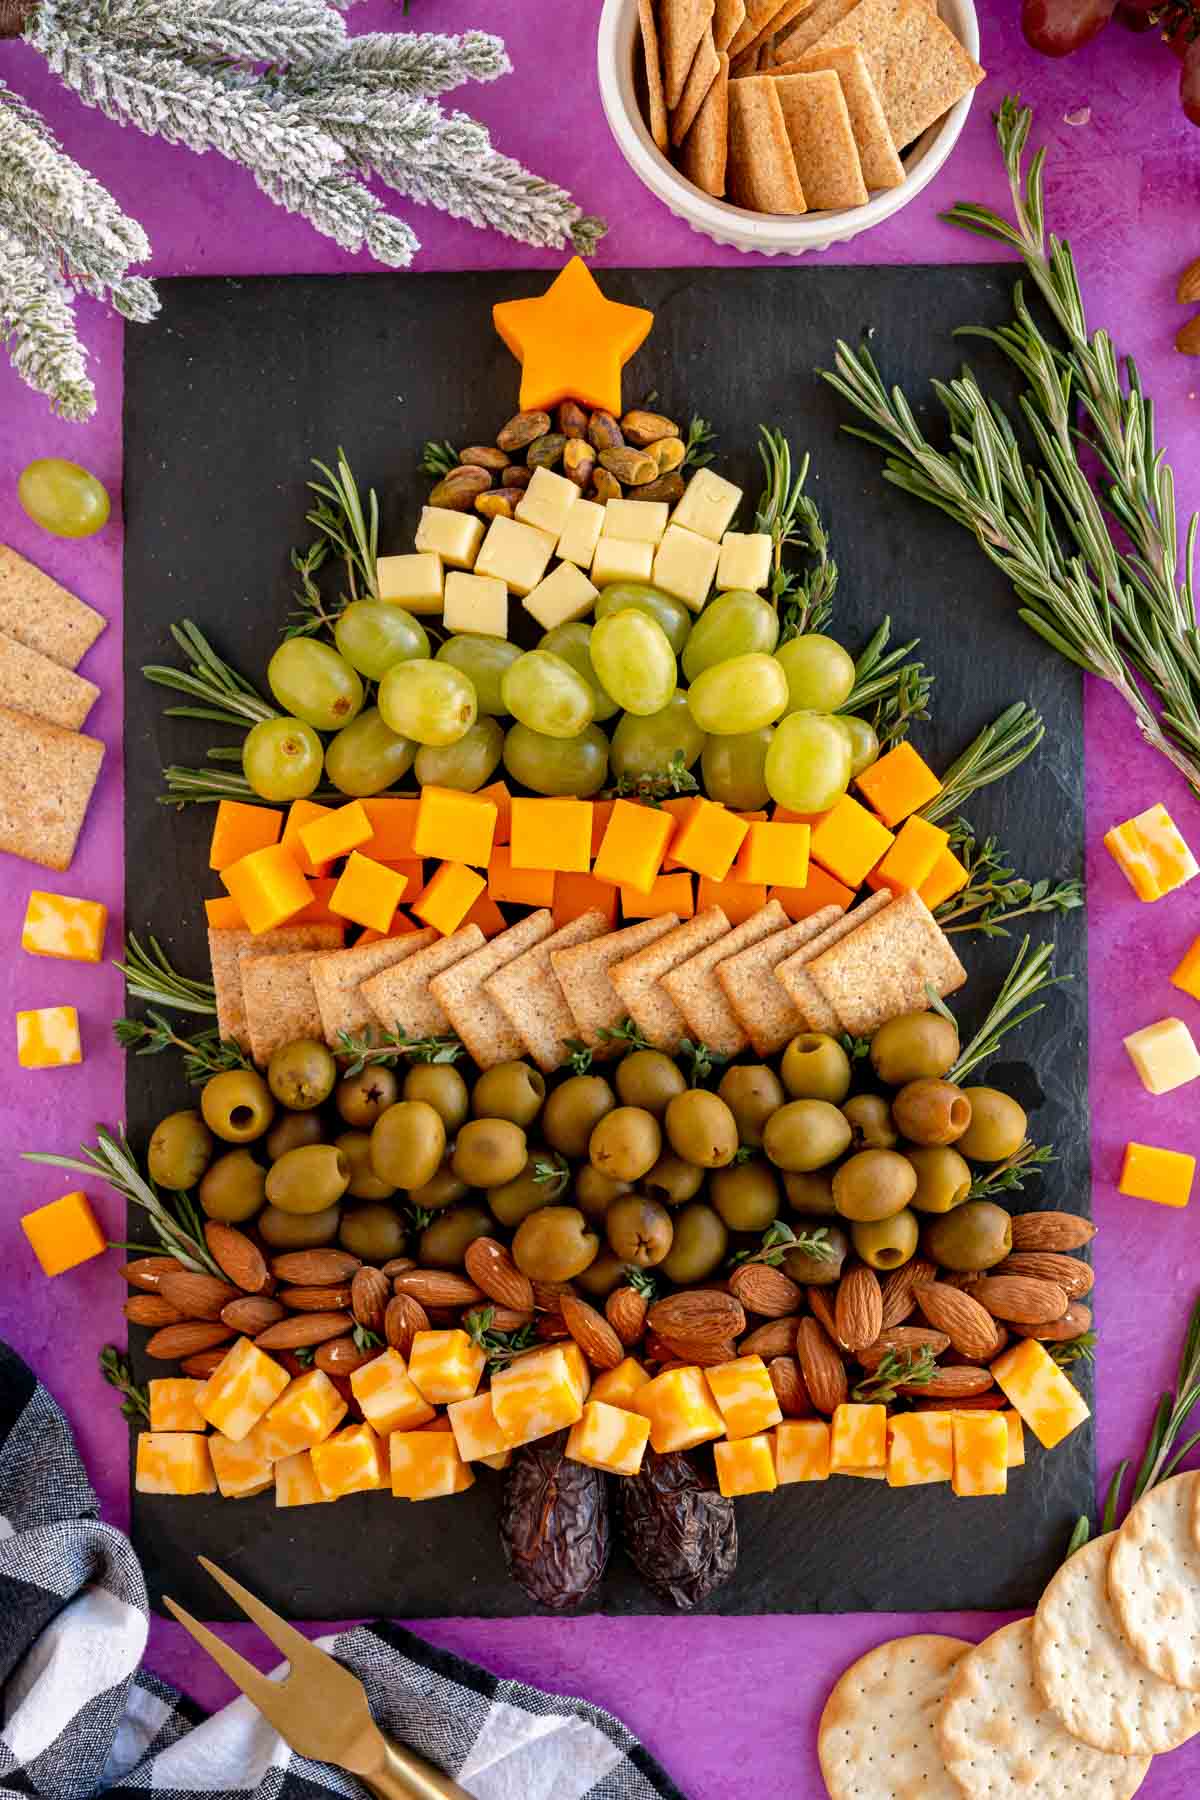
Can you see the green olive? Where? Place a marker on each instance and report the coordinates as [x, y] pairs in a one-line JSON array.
[[237, 1105], [752, 1092], [702, 1129], [870, 1120], [442, 1189], [573, 1111], [649, 1079], [931, 1111], [233, 1188], [554, 1244], [408, 1142], [509, 1090], [698, 1246], [364, 1183], [626, 1143], [595, 1191], [302, 1074], [672, 1181], [811, 1268], [976, 1235], [913, 1046], [943, 1178], [309, 1179], [874, 1184], [746, 1195], [806, 1134], [810, 1191], [445, 1240], [489, 1152], [298, 1231], [998, 1126], [181, 1148], [363, 1097], [292, 1130], [640, 1231], [603, 1276], [512, 1201], [815, 1067], [886, 1243], [441, 1086], [375, 1232]]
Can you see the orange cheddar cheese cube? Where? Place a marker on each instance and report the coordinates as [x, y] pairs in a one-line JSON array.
[[367, 893], [1164, 1176], [537, 1394], [898, 784], [575, 895], [64, 1233], [801, 1451], [616, 1387], [318, 911], [746, 1466], [775, 853], [476, 1432], [173, 1404], [1151, 853], [487, 915], [393, 826], [48, 1038], [680, 1409], [524, 887], [56, 925], [296, 1483], [238, 829], [173, 1462], [241, 1469], [497, 793], [268, 887], [1032, 1382], [912, 858], [601, 814], [738, 900], [223, 914], [445, 1365], [454, 826], [858, 1442], [400, 925], [633, 846], [849, 841], [980, 1454], [708, 838], [241, 1389], [920, 1448], [667, 894], [388, 1396], [448, 897], [551, 834], [309, 1410], [744, 1395], [820, 890], [680, 806], [609, 1438], [426, 1465], [946, 878], [301, 813], [350, 1462], [1186, 973], [339, 831]]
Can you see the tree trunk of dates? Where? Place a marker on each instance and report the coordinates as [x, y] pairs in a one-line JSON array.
[[13, 15]]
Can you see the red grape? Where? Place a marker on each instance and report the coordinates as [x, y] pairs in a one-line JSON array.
[[1057, 27], [1189, 82]]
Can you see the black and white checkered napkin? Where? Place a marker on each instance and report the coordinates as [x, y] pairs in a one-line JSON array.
[[79, 1717]]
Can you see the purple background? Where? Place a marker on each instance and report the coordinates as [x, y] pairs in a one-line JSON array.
[[731, 1704]]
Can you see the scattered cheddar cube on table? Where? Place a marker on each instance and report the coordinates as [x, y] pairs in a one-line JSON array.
[[337, 833], [634, 844], [898, 783], [913, 857], [1151, 853], [56, 925], [48, 1038], [1164, 1055], [64, 1233], [173, 1462], [849, 841], [1186, 973], [1164, 1176], [173, 1404], [238, 829], [947, 877]]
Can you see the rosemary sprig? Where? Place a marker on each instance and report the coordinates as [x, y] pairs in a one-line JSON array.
[[228, 699], [150, 975], [653, 785], [552, 1172], [791, 519], [1029, 975], [205, 1053], [700, 434], [391, 1047], [117, 1370], [995, 894], [347, 526], [1080, 1349], [438, 459], [1000, 748], [205, 787], [895, 690], [1010, 1176], [500, 1347], [1078, 1537], [779, 1238], [704, 1062], [910, 1368], [625, 1033], [177, 1225]]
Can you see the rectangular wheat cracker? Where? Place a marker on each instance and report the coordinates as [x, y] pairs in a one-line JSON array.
[[42, 615], [694, 987], [756, 14], [528, 992], [917, 64], [583, 975], [886, 967], [728, 19], [761, 171], [706, 146], [225, 951], [706, 66], [459, 991], [336, 978], [748, 982], [811, 1004], [402, 999], [652, 58], [277, 993], [47, 776], [811, 29], [761, 45], [681, 25], [881, 166], [819, 131], [638, 980], [32, 683]]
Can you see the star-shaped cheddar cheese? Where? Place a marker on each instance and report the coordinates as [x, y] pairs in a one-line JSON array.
[[571, 342]]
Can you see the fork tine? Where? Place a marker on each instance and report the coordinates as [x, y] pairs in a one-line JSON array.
[[252, 1681], [303, 1655]]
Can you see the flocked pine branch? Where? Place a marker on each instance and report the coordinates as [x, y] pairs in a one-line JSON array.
[[404, 62], [283, 31], [38, 327], [495, 191]]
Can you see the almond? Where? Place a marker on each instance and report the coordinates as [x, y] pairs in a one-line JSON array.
[[1187, 291], [1076, 1278], [437, 1287], [776, 1338], [897, 1289], [903, 1337], [1051, 1231], [952, 1383], [625, 1310], [1075, 1321], [341, 1356], [303, 1330], [999, 1342], [820, 1303], [316, 1299], [252, 1313], [547, 1295], [823, 1370], [1021, 1299], [858, 1309], [315, 1268], [176, 1341], [402, 1320], [151, 1310], [197, 1296], [766, 1291], [968, 1325], [491, 1267], [965, 1403], [592, 1332], [398, 1265], [370, 1292], [201, 1365], [695, 1321], [551, 1328], [238, 1257], [147, 1271], [1187, 338], [507, 1318], [790, 1390]]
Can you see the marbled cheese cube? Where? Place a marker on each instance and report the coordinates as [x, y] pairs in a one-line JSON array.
[[1151, 853], [1051, 1406], [500, 1461], [477, 603], [535, 1395], [308, 1411], [173, 1404], [242, 1469], [680, 1410], [858, 1445], [744, 1396], [708, 505], [684, 564], [426, 1465], [445, 1366], [388, 1395], [565, 594], [745, 561], [637, 521], [581, 533], [920, 1448], [621, 559], [579, 1369], [609, 1438], [980, 1453], [616, 1387], [174, 1462], [1016, 1439], [476, 1432], [746, 1466], [547, 502], [1164, 1055], [241, 1389], [350, 1462], [802, 1451], [296, 1483], [56, 925], [48, 1038], [414, 581], [454, 536], [517, 554]]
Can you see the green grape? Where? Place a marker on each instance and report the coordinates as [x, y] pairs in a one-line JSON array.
[[808, 764], [467, 764], [633, 657], [483, 660], [734, 624], [819, 672], [367, 756], [374, 634], [62, 497], [864, 741], [549, 765], [643, 744], [282, 758], [573, 643], [743, 694], [429, 702], [734, 769], [312, 681], [665, 609], [547, 694]]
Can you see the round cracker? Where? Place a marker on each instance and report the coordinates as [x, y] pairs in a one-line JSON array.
[[1001, 1741], [1154, 1581], [876, 1736], [1088, 1672]]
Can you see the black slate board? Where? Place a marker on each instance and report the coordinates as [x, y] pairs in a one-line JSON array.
[[238, 385]]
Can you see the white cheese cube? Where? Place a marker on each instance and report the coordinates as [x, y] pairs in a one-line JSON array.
[[745, 561], [1164, 1055], [475, 603], [413, 581], [617, 559], [565, 594], [581, 533], [684, 565], [456, 536], [516, 554], [547, 501], [708, 505], [637, 521]]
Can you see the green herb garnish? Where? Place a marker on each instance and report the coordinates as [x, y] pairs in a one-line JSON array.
[[552, 1172], [778, 1239], [117, 1370], [438, 459], [150, 975], [178, 1224], [1080, 1349], [1000, 748], [1010, 1176], [700, 434], [626, 1033], [995, 894], [1029, 975], [204, 1054], [500, 1347], [653, 785], [704, 1062], [388, 1048], [907, 1368], [790, 518], [892, 689]]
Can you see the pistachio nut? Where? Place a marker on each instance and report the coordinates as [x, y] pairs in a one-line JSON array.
[[521, 429], [667, 487], [482, 456], [668, 453], [605, 486], [604, 432], [497, 504], [643, 428], [516, 476], [545, 451], [572, 419], [457, 490], [579, 460], [632, 467]]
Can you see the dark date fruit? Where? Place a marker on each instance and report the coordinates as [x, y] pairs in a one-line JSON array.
[[680, 1533], [554, 1524]]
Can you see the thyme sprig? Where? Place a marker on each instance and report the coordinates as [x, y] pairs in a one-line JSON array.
[[778, 1239], [438, 459], [703, 1061], [204, 1054], [580, 1056], [150, 975], [500, 1347], [626, 1033], [117, 1370], [178, 1225], [790, 518], [227, 697], [908, 1368], [387, 1049], [1010, 1176], [696, 453], [653, 785], [1000, 748], [1080, 1349], [1030, 974], [995, 894], [552, 1172]]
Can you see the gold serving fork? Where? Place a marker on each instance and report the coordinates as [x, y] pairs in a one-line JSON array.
[[320, 1708]]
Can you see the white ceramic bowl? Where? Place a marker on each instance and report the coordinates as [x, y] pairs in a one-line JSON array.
[[619, 46]]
